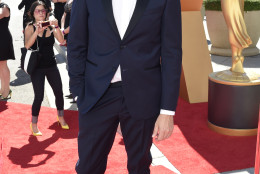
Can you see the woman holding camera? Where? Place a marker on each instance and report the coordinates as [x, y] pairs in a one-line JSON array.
[[39, 35]]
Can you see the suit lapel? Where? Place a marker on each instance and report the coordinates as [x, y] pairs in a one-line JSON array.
[[139, 9], [110, 16], [138, 12]]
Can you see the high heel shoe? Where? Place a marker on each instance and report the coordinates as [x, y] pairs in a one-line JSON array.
[[35, 133], [66, 126], [7, 97]]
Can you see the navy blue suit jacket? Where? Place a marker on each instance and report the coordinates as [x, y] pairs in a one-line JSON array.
[[150, 54]]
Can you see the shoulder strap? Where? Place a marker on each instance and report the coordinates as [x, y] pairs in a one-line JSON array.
[[34, 28]]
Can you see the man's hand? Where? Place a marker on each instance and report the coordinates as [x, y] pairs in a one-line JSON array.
[[163, 127]]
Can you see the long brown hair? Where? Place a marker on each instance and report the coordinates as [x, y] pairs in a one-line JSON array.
[[33, 7]]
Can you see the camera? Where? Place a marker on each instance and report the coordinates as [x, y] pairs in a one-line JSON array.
[[45, 23]]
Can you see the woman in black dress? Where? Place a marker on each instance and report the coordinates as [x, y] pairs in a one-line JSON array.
[[44, 36], [59, 9], [6, 51]]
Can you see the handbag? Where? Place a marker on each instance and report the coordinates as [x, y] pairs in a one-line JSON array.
[[30, 59]]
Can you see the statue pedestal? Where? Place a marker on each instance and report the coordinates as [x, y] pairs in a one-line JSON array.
[[233, 108]]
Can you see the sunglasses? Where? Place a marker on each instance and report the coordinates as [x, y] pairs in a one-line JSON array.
[[43, 11]]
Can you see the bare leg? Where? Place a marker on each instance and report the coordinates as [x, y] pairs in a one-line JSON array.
[[5, 78]]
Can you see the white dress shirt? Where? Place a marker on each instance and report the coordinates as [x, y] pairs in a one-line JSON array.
[[123, 11]]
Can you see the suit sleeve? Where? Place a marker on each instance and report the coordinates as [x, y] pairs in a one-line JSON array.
[[77, 45], [171, 54]]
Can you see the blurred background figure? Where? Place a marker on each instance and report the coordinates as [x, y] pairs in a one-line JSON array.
[[6, 51], [59, 9], [65, 21], [27, 5], [36, 35]]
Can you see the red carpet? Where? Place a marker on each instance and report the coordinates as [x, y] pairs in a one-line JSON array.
[[192, 149], [53, 153]]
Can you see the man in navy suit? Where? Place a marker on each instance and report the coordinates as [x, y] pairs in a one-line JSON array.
[[124, 61]]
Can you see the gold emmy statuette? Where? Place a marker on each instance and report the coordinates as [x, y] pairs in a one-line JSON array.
[[233, 11], [233, 104]]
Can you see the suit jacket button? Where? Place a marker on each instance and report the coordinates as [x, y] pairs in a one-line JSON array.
[[122, 47]]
